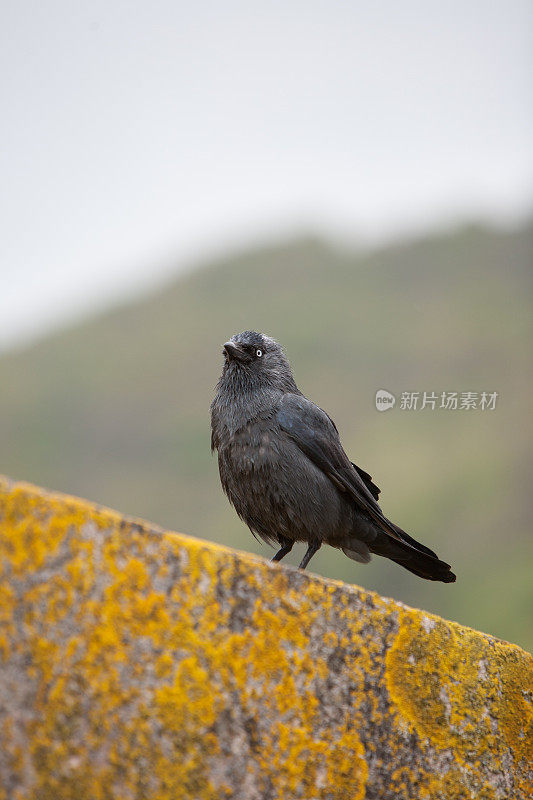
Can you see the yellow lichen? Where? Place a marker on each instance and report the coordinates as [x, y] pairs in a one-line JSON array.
[[463, 692], [138, 663]]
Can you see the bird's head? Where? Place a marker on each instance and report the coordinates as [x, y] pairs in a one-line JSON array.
[[258, 358]]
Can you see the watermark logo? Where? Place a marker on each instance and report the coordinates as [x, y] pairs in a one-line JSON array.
[[446, 401], [384, 400]]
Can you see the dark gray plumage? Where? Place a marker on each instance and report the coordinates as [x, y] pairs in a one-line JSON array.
[[284, 470]]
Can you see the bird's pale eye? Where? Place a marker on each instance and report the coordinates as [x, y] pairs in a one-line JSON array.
[[259, 353]]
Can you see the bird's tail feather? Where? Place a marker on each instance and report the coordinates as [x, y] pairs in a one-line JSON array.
[[412, 555]]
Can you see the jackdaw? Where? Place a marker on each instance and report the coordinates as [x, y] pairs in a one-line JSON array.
[[284, 470]]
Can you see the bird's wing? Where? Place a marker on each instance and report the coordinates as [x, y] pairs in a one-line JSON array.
[[370, 485], [367, 479], [317, 437]]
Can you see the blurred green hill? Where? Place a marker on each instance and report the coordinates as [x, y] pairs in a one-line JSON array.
[[117, 408]]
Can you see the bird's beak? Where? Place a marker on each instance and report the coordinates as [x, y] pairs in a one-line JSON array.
[[234, 351]]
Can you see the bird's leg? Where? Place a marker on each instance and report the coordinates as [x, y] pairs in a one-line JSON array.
[[311, 550], [286, 547]]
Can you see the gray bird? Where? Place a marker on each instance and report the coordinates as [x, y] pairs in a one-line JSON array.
[[284, 470]]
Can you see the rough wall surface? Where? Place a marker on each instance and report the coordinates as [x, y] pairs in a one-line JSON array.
[[136, 663]]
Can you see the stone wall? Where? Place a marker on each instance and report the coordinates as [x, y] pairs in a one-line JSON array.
[[137, 663]]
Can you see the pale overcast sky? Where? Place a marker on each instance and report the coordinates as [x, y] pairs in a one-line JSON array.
[[137, 136]]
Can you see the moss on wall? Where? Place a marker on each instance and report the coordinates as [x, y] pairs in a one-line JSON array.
[[137, 663]]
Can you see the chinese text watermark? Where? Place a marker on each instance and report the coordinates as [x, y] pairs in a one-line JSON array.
[[447, 401]]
